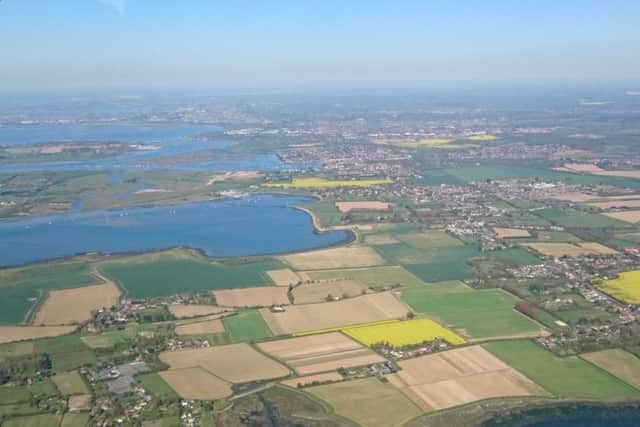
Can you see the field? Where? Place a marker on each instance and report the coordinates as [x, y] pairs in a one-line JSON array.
[[597, 170], [562, 376], [617, 362], [44, 420], [22, 333], [347, 207], [615, 204], [353, 311], [328, 377], [320, 353], [206, 327], [626, 287], [81, 402], [558, 250], [319, 292], [572, 218], [510, 233], [368, 402], [196, 383], [67, 306], [475, 314], [252, 297], [184, 311], [246, 326], [283, 277], [236, 363], [380, 239], [456, 377], [75, 420], [156, 385], [319, 183], [174, 272], [400, 334], [349, 257], [70, 383], [626, 216], [373, 277]]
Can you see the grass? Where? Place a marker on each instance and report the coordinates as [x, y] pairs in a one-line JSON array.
[[154, 384], [513, 257], [122, 336], [572, 218], [246, 326], [477, 314], [75, 420], [175, 272], [42, 420], [322, 183], [562, 376], [70, 383], [67, 352], [373, 277], [400, 334], [325, 212], [626, 287], [23, 394], [617, 362]]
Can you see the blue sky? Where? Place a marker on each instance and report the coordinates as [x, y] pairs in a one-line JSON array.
[[209, 43]]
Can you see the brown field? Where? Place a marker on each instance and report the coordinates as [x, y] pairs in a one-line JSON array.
[[196, 384], [626, 216], [457, 377], [318, 292], [236, 363], [508, 233], [616, 204], [597, 170], [69, 306], [328, 377], [184, 311], [380, 239], [618, 363], [234, 176], [320, 353], [201, 328], [349, 257], [284, 277], [80, 402], [575, 196], [22, 333], [570, 249], [312, 317], [252, 297], [346, 207]]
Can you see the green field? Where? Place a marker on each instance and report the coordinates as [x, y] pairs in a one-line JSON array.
[[154, 384], [22, 288], [44, 420], [513, 257], [562, 376], [373, 277], [122, 336], [247, 325], [572, 218], [67, 352], [175, 272], [75, 420], [24, 394], [325, 212], [70, 383], [477, 314]]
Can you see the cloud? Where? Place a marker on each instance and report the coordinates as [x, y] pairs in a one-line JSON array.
[[120, 6]]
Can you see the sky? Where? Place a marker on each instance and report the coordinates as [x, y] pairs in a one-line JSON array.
[[53, 44]]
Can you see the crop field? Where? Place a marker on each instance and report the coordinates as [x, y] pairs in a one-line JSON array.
[[513, 257], [626, 287], [511, 233], [75, 420], [70, 383], [626, 216], [366, 206], [252, 297], [23, 333], [67, 306], [81, 402], [246, 326], [206, 327], [400, 334], [320, 183], [43, 420], [20, 288], [617, 362], [373, 277], [429, 239], [154, 384], [315, 317], [562, 376], [349, 257], [610, 204], [558, 250], [196, 383], [320, 353], [368, 402], [236, 363], [327, 377], [185, 311], [122, 336], [283, 277], [475, 314], [572, 218], [320, 292], [380, 239], [174, 272], [325, 213], [456, 377]]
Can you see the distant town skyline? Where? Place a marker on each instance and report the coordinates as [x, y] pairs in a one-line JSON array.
[[156, 43]]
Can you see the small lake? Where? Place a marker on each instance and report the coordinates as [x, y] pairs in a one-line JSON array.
[[253, 225]]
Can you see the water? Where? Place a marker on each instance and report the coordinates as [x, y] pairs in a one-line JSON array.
[[572, 416], [254, 225]]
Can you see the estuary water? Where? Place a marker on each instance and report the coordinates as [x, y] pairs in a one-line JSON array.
[[253, 225]]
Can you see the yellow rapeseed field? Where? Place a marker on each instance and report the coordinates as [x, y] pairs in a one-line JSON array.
[[481, 138], [310, 183], [399, 334], [625, 288]]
